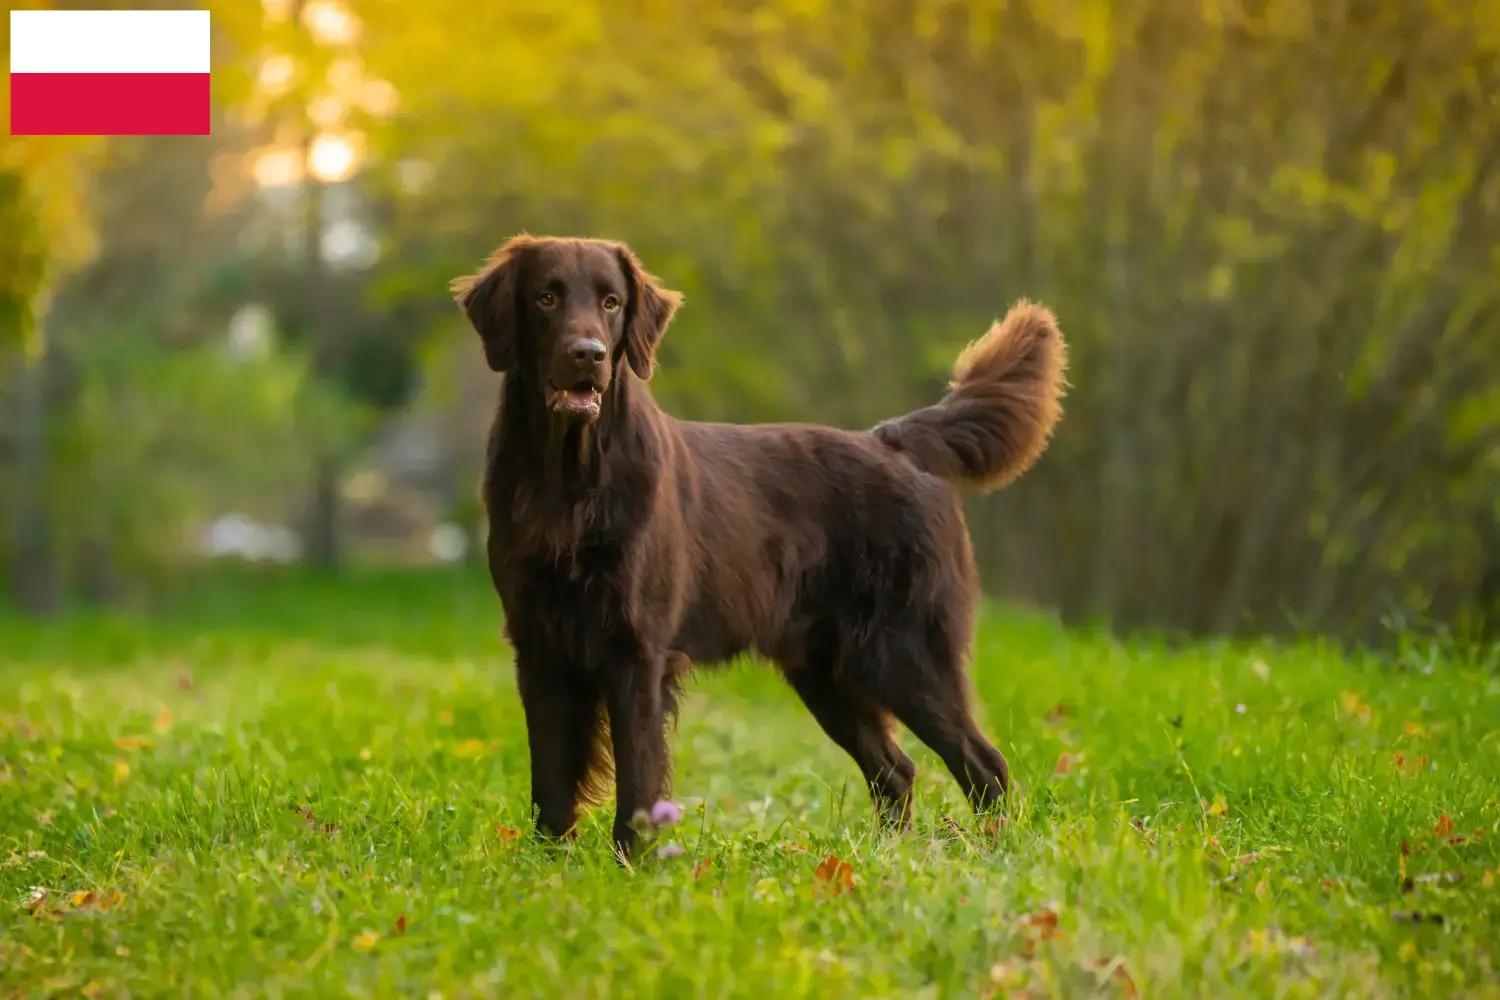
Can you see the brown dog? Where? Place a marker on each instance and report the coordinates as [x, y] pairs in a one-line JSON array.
[[625, 544]]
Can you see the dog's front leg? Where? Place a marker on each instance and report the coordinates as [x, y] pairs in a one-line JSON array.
[[637, 724], [562, 719]]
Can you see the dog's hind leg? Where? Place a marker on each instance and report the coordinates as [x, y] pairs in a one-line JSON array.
[[865, 733], [932, 700]]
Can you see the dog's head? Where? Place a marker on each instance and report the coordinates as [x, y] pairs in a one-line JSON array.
[[566, 313]]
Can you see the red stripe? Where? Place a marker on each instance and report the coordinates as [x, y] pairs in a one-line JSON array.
[[109, 103]]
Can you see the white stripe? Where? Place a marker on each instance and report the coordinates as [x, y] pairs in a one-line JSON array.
[[109, 41]]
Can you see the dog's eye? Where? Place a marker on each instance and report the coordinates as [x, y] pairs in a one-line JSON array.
[[546, 300], [611, 303]]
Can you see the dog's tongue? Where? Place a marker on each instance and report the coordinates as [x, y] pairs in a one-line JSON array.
[[582, 402]]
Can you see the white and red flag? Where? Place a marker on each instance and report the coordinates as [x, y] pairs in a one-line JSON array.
[[109, 72]]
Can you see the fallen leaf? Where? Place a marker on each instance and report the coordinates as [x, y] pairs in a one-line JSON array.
[[702, 867], [469, 749], [401, 924], [184, 681], [833, 876], [1408, 766], [365, 941], [1042, 922], [993, 826], [81, 899], [1355, 706], [1443, 827], [1067, 762], [507, 834], [1058, 714], [36, 900], [1116, 974], [133, 742]]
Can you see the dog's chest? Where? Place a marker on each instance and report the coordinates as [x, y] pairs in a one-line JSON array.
[[572, 606]]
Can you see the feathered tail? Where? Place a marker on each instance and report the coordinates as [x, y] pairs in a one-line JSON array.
[[1001, 407]]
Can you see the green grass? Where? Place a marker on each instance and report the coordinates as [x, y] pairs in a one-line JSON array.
[[1234, 827]]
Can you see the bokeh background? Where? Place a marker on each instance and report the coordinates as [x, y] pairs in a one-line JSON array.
[[1269, 229]]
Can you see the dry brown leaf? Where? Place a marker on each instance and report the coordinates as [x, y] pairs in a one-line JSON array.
[[507, 834], [1409, 766], [833, 876], [1067, 762], [1114, 972], [1042, 922], [993, 826], [1058, 714], [1443, 827], [401, 924], [701, 868]]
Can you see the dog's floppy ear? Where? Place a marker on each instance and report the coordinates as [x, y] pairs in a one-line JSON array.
[[488, 298], [650, 309]]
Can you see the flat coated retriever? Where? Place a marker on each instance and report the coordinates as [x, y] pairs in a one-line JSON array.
[[626, 545]]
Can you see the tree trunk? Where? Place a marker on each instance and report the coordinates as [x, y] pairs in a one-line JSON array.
[[36, 583], [321, 548]]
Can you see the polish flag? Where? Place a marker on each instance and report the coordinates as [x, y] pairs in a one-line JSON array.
[[109, 72]]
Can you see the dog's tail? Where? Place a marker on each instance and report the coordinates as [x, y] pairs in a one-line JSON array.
[[1004, 400]]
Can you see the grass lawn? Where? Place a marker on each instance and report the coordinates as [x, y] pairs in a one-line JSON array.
[[286, 789]]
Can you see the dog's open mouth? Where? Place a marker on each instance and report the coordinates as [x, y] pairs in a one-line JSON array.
[[582, 400]]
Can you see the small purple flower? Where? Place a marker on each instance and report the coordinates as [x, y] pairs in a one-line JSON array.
[[665, 814], [669, 850]]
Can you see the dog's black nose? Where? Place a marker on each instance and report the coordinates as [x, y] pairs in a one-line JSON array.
[[587, 352]]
